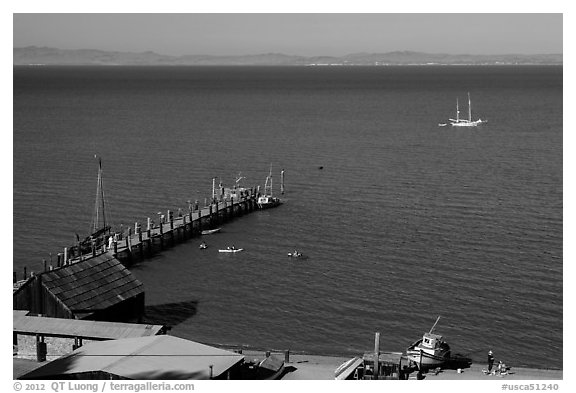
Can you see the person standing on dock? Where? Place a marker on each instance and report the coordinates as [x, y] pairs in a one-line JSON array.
[[490, 361]]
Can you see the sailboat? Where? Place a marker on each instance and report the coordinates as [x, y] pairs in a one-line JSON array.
[[100, 227], [267, 200], [458, 122]]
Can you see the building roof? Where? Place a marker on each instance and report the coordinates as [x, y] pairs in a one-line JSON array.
[[24, 366], [90, 330], [156, 357], [93, 284]]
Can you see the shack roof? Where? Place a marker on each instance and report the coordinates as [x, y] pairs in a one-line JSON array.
[[90, 330], [24, 366], [156, 357], [93, 284]]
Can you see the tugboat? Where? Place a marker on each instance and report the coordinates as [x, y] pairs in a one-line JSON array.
[[430, 351]]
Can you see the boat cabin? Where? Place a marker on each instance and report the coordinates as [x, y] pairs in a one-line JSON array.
[[431, 340]]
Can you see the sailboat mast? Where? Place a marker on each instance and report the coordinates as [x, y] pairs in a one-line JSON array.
[[457, 111], [469, 108], [102, 197], [99, 200], [270, 176]]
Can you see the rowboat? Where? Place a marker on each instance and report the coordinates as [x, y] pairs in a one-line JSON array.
[[295, 254], [230, 250]]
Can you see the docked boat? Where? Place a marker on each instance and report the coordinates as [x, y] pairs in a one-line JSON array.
[[231, 249], [458, 122], [211, 231], [101, 229], [430, 351], [267, 200]]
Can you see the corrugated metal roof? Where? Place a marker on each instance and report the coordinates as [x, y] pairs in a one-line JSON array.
[[157, 357], [91, 330], [94, 284]]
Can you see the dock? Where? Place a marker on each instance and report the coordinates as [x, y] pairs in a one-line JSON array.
[[139, 244], [143, 241]]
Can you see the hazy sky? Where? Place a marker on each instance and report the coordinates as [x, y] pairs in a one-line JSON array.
[[298, 34]]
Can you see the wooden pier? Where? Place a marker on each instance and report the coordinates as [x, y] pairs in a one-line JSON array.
[[140, 244], [144, 241]]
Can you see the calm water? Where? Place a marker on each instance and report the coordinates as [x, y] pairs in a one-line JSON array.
[[407, 220]]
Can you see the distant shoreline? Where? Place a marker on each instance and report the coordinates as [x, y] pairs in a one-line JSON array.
[[33, 55]]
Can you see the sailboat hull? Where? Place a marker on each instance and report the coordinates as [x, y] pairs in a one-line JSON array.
[[458, 122], [466, 123]]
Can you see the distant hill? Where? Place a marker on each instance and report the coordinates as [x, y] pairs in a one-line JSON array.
[[33, 55]]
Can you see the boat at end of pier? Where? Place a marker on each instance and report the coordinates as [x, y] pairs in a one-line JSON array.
[[267, 200], [430, 351]]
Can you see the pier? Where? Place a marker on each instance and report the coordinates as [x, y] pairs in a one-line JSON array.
[[140, 243], [143, 241]]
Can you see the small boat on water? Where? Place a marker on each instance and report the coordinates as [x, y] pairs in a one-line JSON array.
[[266, 200], [231, 249], [458, 122], [430, 351], [203, 246], [211, 231], [295, 254]]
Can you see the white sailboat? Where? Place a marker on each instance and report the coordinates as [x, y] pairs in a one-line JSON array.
[[458, 122]]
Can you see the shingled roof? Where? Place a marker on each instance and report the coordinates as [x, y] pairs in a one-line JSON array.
[[92, 285]]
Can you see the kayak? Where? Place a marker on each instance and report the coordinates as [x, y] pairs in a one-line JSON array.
[[229, 250], [210, 231]]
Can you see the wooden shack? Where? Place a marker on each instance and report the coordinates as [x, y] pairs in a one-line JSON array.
[[99, 288]]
